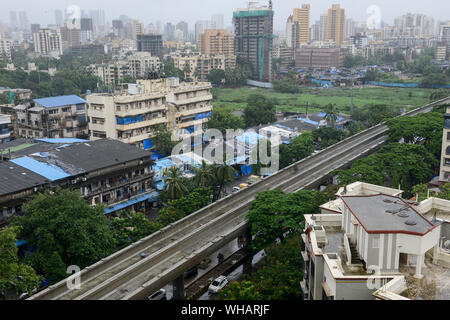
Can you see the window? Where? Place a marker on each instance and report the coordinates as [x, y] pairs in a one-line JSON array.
[[375, 243]]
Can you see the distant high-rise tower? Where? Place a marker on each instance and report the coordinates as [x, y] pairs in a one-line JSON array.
[[301, 18], [323, 27], [59, 17], [183, 27], [13, 19], [23, 21], [336, 24], [217, 20], [253, 27]]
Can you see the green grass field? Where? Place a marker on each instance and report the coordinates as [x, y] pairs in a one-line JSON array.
[[235, 99]]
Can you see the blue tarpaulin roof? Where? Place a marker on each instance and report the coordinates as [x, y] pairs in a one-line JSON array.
[[163, 164], [123, 205], [59, 101], [61, 140], [49, 171], [250, 137]]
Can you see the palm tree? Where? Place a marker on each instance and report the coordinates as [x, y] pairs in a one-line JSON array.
[[204, 176], [223, 175], [331, 114], [174, 183]]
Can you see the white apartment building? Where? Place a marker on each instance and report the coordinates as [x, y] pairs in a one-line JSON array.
[[5, 48], [132, 115], [370, 243], [5, 123], [201, 65], [110, 73], [48, 41], [444, 174], [141, 63]]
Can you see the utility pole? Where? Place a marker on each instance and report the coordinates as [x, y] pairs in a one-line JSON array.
[[307, 105], [351, 104]]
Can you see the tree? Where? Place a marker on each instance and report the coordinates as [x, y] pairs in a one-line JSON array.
[[222, 120], [434, 79], [240, 290], [204, 175], [285, 85], [439, 94], [327, 136], [223, 175], [423, 129], [299, 148], [351, 61], [13, 273], [259, 110], [65, 230], [163, 140], [173, 183], [273, 213], [276, 279], [395, 164], [331, 114], [130, 227], [216, 76]]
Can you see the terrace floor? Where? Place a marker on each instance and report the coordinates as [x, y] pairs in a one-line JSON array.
[[434, 286]]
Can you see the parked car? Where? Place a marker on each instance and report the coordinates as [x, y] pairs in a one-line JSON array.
[[191, 272], [236, 189], [218, 284], [158, 295]]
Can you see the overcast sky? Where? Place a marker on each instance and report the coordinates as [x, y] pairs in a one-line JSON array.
[[42, 11]]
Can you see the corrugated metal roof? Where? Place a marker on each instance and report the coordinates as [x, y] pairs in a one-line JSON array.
[[14, 178], [49, 171], [151, 197], [60, 101]]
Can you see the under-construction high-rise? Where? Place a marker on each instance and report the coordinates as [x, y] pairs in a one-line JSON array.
[[253, 27]]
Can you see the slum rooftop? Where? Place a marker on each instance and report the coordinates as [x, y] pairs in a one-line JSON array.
[[34, 162]]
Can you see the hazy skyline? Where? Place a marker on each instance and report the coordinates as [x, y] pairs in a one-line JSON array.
[[192, 10]]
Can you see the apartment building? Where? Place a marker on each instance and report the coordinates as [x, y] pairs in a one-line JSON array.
[[199, 65], [206, 63], [5, 48], [313, 57], [48, 41], [301, 18], [336, 24], [374, 50], [106, 172], [444, 174], [253, 27], [370, 243], [150, 43], [70, 37], [54, 117], [110, 73], [141, 63], [216, 41], [131, 115], [5, 125]]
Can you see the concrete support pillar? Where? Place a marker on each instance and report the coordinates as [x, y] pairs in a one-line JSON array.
[[420, 259], [247, 237], [247, 265], [178, 288], [435, 254]]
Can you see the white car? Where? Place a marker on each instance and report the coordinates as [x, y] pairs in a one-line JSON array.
[[218, 284], [158, 295]]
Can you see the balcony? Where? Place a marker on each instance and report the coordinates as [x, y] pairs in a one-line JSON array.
[[142, 124], [136, 111], [184, 101], [195, 111], [124, 182]]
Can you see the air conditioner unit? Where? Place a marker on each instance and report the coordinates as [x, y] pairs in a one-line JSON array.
[[84, 179], [74, 181]]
